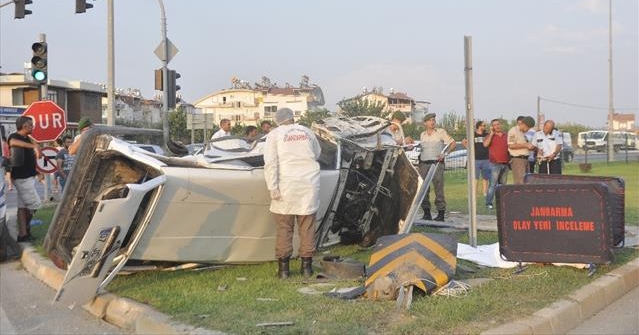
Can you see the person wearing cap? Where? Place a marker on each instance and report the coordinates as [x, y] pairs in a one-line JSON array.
[[292, 176], [83, 126], [396, 129], [24, 153], [432, 141], [548, 142], [519, 148], [225, 129]]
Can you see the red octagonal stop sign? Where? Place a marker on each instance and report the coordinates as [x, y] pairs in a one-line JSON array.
[[50, 120]]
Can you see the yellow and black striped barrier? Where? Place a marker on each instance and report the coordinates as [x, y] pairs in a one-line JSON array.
[[424, 260]]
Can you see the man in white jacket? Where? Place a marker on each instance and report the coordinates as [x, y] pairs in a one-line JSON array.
[[292, 176]]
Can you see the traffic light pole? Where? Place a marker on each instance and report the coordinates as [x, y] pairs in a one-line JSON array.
[[165, 78], [43, 92], [44, 86]]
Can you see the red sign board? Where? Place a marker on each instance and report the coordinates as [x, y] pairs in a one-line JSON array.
[[49, 120]]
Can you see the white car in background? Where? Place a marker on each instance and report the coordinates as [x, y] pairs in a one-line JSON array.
[[457, 159]]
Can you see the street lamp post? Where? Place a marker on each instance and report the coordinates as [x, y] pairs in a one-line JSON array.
[[611, 109], [165, 77], [111, 66]]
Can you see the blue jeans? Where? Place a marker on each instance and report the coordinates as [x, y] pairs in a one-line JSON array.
[[62, 182], [498, 174]]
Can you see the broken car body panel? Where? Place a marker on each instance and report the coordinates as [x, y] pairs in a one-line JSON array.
[[214, 207]]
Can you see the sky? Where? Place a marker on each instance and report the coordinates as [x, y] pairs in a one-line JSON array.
[[521, 49]]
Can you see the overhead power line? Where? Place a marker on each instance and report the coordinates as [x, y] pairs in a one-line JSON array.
[[586, 106]]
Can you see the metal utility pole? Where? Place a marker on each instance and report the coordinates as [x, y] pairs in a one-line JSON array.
[[165, 78], [7, 3], [611, 109], [538, 113], [111, 66], [470, 134]]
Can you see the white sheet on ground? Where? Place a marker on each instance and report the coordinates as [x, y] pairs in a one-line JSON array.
[[488, 255]]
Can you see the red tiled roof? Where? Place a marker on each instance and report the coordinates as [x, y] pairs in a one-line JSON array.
[[399, 95], [619, 117]]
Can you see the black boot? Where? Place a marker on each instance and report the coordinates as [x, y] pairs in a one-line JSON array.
[[427, 215], [440, 215], [283, 271], [307, 267]]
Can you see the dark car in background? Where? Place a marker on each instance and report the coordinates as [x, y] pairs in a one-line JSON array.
[[567, 153]]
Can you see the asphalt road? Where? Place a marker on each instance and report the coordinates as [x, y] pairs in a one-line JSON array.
[[620, 317], [632, 155], [25, 304], [26, 308]]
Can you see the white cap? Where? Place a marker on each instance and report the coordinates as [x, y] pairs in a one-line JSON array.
[[283, 114]]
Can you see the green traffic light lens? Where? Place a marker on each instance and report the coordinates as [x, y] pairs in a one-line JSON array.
[[39, 75]]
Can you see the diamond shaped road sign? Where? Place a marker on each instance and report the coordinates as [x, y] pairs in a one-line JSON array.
[[49, 120], [159, 51]]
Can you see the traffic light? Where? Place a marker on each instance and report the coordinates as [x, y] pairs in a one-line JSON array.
[[173, 88], [21, 10], [39, 62], [81, 6]]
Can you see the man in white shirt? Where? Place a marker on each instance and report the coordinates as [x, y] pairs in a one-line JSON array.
[[548, 142], [225, 129], [292, 176]]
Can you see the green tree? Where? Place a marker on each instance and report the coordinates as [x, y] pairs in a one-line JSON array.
[[198, 136], [454, 124], [238, 129], [413, 130], [362, 107], [313, 115], [177, 126]]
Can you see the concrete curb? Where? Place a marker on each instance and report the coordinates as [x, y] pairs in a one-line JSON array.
[[121, 312], [566, 314], [558, 318]]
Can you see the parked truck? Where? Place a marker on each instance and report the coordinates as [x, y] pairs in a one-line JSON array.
[[598, 140]]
